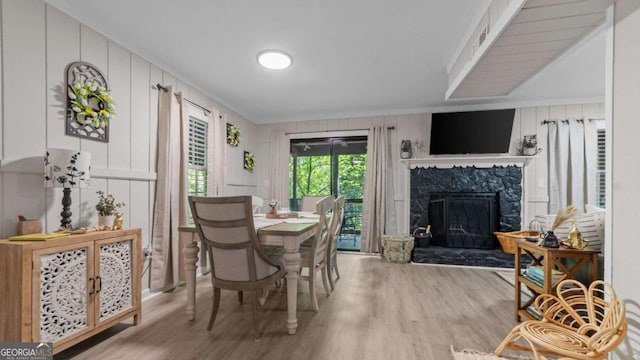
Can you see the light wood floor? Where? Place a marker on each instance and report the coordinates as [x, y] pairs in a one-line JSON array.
[[377, 311]]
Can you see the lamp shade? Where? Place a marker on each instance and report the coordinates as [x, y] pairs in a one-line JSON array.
[[67, 168]]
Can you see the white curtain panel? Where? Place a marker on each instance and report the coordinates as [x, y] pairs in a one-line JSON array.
[[562, 162], [170, 208], [568, 164], [554, 193], [376, 189], [279, 176], [216, 154], [577, 179]]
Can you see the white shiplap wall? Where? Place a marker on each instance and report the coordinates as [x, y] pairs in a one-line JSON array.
[[417, 128], [38, 42]]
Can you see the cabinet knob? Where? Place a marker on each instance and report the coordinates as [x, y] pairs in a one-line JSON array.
[[93, 286], [99, 279]]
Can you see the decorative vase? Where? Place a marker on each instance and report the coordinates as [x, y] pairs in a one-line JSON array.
[[106, 220], [550, 240]]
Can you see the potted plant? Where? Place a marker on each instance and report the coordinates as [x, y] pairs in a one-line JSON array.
[[106, 207], [529, 145], [405, 149]]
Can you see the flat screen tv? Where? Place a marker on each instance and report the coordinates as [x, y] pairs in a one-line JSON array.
[[471, 132]]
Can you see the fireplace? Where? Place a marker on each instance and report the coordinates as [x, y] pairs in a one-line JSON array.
[[463, 220], [487, 190], [493, 194]]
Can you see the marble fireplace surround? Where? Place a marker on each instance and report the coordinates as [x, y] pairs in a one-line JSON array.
[[498, 170]]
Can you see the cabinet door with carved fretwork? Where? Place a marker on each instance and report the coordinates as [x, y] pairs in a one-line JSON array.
[[114, 277], [63, 284]]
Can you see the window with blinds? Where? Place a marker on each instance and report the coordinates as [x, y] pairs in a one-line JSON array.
[[600, 171], [197, 168]]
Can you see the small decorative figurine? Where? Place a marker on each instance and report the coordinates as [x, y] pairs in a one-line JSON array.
[[117, 222], [575, 240]]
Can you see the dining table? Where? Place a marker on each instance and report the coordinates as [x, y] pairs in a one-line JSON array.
[[288, 233]]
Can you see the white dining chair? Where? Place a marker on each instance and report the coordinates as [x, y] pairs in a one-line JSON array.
[[314, 258], [257, 203], [225, 226], [337, 217], [308, 202]]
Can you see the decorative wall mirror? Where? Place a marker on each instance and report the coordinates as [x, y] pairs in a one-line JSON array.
[[89, 104]]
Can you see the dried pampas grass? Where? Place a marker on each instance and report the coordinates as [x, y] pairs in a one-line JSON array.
[[563, 215]]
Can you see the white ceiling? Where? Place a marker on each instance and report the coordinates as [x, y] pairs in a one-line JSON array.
[[350, 57]]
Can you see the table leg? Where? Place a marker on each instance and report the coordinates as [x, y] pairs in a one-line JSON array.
[[190, 265], [292, 262], [516, 268]]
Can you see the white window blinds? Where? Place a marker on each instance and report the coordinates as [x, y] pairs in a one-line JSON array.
[[197, 170], [600, 172]]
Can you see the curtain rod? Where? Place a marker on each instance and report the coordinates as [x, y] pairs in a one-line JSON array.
[[545, 122], [160, 87], [321, 131]]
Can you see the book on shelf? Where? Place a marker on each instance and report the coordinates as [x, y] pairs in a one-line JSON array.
[[531, 310], [536, 281], [537, 272]]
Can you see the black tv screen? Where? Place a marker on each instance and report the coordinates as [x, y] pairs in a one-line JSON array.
[[471, 132]]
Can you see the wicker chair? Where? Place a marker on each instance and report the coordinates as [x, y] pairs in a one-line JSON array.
[[578, 323]]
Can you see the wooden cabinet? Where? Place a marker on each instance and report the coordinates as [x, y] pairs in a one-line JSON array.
[[554, 269], [65, 290]]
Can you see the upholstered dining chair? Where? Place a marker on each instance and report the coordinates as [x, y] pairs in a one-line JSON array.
[[337, 217], [579, 323], [314, 258], [308, 202], [225, 226]]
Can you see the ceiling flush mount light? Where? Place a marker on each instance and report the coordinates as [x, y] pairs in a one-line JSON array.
[[274, 59]]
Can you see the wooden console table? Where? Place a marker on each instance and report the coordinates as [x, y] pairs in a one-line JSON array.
[[550, 260], [67, 289]]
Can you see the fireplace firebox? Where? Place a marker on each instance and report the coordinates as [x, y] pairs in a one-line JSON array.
[[463, 220]]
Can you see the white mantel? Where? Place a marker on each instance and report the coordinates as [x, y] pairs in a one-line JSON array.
[[478, 161], [449, 161]]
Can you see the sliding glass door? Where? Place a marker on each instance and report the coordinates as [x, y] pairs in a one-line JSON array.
[[331, 166]]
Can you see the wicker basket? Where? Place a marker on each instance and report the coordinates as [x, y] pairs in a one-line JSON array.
[[508, 239]]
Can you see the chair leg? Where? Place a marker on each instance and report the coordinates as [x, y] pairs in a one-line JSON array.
[[330, 275], [312, 289], [216, 305], [510, 340], [325, 279], [240, 297], [335, 266], [254, 311]]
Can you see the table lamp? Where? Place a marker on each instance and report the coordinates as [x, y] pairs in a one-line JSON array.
[[67, 169]]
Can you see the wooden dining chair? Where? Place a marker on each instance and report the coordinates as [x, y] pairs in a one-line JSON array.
[[225, 226], [314, 258], [337, 217], [308, 202]]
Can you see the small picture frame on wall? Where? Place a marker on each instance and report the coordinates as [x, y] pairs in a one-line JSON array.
[[249, 161], [233, 135]]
